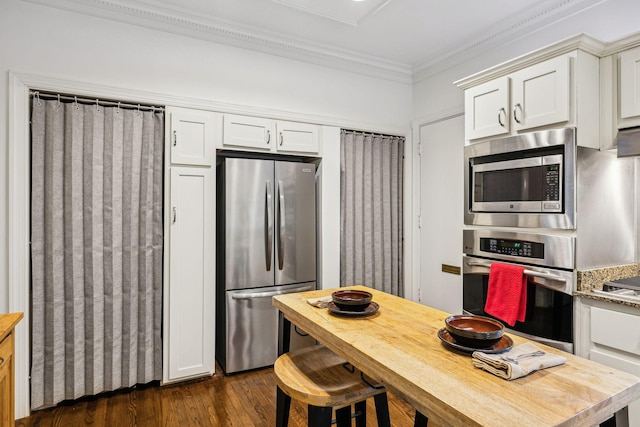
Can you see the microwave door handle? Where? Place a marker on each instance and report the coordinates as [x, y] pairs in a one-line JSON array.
[[531, 273]]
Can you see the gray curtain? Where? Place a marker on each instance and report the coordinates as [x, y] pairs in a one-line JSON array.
[[96, 232], [371, 211]]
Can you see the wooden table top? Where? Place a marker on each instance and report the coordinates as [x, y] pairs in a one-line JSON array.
[[8, 322], [399, 345]]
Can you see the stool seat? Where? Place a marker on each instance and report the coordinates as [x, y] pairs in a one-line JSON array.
[[319, 378]]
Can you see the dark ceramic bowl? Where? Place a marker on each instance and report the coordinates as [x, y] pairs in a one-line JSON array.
[[474, 331], [351, 300]]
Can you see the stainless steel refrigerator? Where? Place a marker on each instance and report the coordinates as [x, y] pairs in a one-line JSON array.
[[266, 245]]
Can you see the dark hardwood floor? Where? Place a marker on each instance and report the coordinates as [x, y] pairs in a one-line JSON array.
[[245, 399]]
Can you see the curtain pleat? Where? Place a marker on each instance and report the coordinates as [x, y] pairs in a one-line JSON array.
[[96, 231], [371, 211]]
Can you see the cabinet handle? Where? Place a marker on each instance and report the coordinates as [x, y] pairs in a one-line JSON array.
[[268, 137], [281, 139], [174, 215], [515, 110], [175, 138], [501, 113]]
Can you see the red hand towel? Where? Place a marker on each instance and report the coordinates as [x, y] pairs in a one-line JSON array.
[[507, 293]]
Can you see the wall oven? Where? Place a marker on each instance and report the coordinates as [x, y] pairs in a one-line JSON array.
[[526, 180], [549, 262]]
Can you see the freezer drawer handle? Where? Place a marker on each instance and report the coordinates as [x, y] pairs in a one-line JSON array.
[[531, 273], [268, 229], [270, 294]]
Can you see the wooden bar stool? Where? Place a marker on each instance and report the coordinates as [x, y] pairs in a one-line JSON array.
[[316, 376]]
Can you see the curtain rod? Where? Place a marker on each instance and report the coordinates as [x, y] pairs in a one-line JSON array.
[[361, 132], [41, 95]]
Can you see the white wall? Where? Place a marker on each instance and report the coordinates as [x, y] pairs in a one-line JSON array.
[[63, 45], [436, 98], [79, 51]]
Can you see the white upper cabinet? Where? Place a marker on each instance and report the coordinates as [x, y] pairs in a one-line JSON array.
[[556, 86], [191, 137], [294, 137], [536, 96], [541, 94], [268, 135], [629, 84], [487, 111], [248, 132]]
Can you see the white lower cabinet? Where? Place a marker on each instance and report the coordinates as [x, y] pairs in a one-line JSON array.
[[189, 299], [609, 333]]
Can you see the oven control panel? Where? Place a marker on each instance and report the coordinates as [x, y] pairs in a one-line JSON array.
[[520, 248]]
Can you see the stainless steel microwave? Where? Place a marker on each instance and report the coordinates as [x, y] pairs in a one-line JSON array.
[[526, 180]]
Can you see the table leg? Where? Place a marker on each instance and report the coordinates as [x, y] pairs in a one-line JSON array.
[[284, 334], [421, 420], [622, 417]]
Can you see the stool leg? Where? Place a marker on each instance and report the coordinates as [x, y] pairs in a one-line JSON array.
[[421, 420], [343, 417], [382, 409], [283, 404], [361, 409], [319, 417]]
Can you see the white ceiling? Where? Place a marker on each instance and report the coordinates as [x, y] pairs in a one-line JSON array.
[[394, 36]]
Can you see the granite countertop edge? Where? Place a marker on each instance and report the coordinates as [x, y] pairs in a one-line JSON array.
[[595, 279]]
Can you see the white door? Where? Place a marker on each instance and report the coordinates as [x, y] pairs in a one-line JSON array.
[[487, 107], [255, 133], [540, 94], [294, 137], [191, 136], [441, 217], [191, 324]]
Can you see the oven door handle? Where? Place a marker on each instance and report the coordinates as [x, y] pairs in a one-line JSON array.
[[531, 273]]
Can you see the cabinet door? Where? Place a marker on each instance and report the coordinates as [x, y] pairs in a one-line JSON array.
[[629, 87], [192, 140], [191, 276], [487, 109], [541, 94], [296, 137], [248, 132]]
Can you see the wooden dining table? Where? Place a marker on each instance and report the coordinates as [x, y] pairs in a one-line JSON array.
[[399, 346]]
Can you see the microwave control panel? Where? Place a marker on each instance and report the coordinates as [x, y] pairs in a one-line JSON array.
[[520, 248], [552, 182]]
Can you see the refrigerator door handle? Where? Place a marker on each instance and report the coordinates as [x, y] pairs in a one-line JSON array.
[[269, 294], [281, 226], [268, 225]]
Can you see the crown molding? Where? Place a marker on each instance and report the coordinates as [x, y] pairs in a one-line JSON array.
[[583, 42], [628, 42], [508, 31], [205, 28], [181, 22]]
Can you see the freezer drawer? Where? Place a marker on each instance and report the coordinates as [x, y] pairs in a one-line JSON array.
[[251, 328]]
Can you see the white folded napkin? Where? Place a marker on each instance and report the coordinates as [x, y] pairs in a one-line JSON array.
[[496, 364], [320, 302]]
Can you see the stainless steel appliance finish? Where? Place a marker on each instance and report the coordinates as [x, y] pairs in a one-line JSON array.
[[515, 156], [592, 183], [266, 222], [549, 264], [625, 289]]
